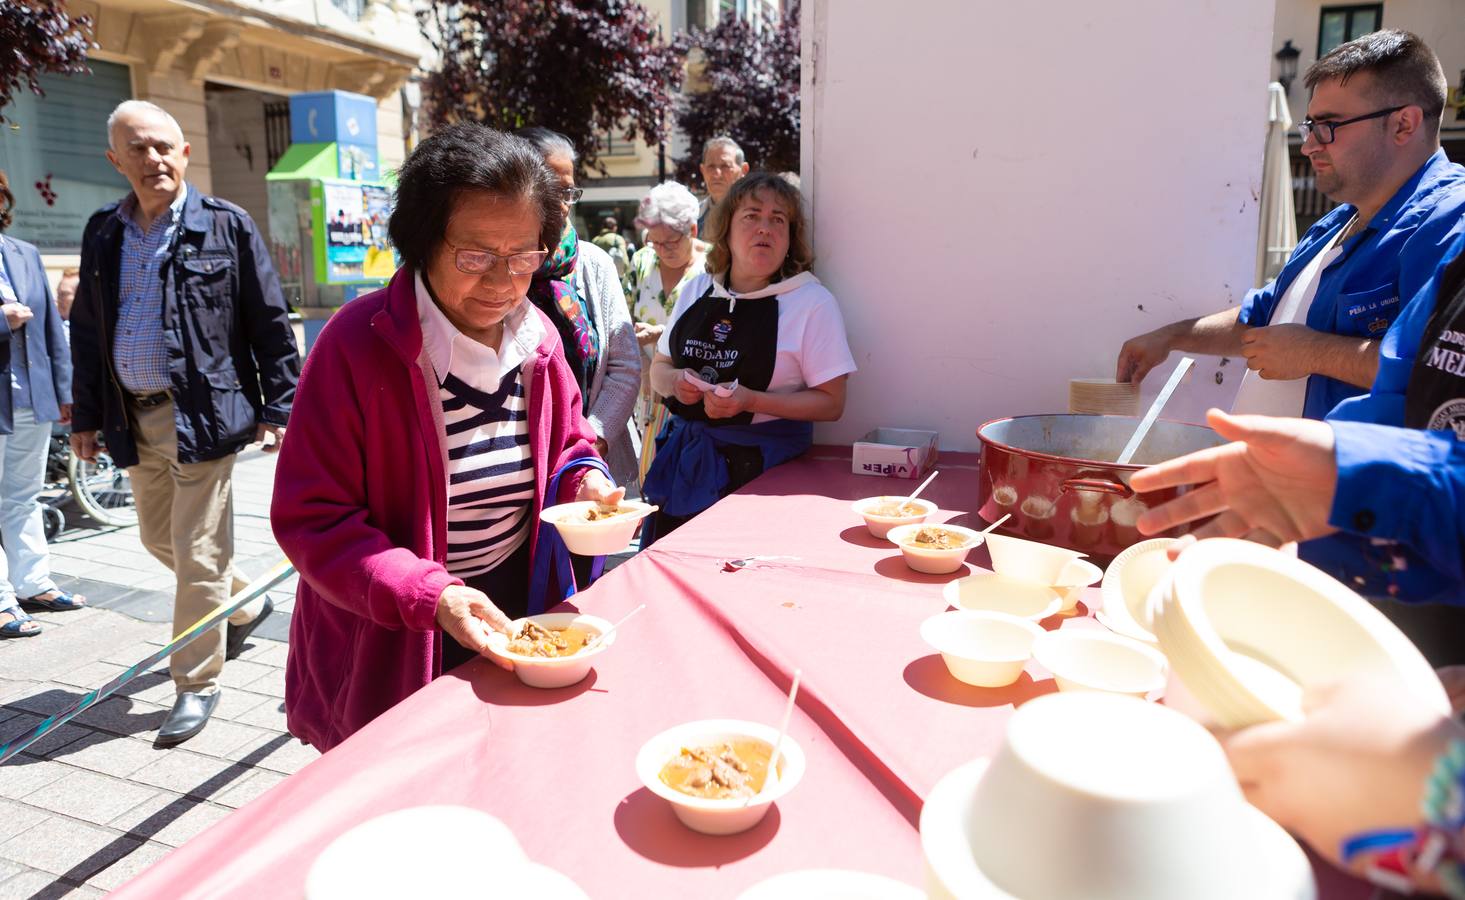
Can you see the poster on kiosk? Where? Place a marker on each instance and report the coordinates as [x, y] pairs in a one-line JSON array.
[[329, 207]]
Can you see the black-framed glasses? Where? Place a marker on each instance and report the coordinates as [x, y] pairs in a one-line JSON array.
[[572, 195], [479, 262], [1323, 131]]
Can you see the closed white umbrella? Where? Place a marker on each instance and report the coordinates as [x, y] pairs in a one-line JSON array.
[[1278, 233]]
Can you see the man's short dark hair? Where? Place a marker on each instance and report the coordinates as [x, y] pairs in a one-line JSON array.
[[1406, 70], [464, 157]]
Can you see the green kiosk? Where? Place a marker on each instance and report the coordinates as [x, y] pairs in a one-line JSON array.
[[329, 207]]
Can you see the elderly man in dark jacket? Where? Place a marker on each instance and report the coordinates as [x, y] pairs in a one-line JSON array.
[[183, 355]]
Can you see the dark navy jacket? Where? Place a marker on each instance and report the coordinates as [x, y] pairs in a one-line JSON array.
[[232, 358], [48, 360]]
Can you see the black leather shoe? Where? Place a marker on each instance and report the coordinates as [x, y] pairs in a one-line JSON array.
[[190, 714], [238, 634]]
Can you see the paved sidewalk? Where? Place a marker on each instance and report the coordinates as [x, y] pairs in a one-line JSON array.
[[95, 803]]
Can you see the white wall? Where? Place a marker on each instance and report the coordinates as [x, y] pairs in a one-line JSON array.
[[1003, 192]]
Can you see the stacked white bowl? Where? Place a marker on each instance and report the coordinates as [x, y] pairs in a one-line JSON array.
[[1105, 798], [1248, 629]]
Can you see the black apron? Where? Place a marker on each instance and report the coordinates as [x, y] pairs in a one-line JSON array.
[[720, 340], [1435, 398]]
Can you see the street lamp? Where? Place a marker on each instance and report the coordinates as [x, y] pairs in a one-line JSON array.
[[1287, 65]]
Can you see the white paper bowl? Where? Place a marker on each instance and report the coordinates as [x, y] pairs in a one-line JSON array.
[[1127, 585], [1148, 810], [1093, 660], [1071, 582], [1028, 560], [1249, 629], [985, 649], [365, 861], [880, 526], [933, 562], [560, 671], [990, 592], [831, 884], [717, 817], [600, 538]]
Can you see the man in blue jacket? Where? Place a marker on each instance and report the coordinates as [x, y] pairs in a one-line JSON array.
[[183, 355], [1310, 338]]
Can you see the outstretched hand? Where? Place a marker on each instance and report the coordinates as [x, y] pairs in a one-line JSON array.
[[1277, 476]]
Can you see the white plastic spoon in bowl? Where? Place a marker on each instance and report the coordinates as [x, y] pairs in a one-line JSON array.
[[989, 528], [607, 632], [917, 492], [788, 710]]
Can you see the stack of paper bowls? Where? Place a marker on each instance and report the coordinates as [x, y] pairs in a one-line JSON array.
[[1248, 629], [1103, 397], [1104, 798]]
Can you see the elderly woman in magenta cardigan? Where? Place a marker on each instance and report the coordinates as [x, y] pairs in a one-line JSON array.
[[429, 420]]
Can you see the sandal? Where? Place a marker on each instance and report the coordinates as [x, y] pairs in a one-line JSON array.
[[62, 602], [16, 627]]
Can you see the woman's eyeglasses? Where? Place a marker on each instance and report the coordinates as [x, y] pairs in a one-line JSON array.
[[667, 246], [572, 195], [479, 262]]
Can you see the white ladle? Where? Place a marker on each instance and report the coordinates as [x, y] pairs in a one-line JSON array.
[[788, 710], [1153, 412], [609, 631]]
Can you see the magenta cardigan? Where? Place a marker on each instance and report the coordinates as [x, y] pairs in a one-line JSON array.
[[360, 508]]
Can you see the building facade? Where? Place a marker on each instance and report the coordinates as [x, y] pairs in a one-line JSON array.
[[1313, 27], [225, 69]]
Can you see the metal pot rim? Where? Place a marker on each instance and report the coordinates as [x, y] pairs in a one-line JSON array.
[[1069, 460]]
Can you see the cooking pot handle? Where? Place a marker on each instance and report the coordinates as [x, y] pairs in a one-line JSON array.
[[1098, 485]]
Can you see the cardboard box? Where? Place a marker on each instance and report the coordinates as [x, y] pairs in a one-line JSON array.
[[895, 452]]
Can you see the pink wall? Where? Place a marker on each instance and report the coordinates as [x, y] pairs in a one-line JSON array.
[[1003, 192]]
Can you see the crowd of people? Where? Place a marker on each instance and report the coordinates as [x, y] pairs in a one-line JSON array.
[[523, 366]]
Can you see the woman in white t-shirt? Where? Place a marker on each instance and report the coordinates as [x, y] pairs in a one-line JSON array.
[[753, 353]]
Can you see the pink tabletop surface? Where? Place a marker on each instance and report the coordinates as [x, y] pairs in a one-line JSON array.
[[879, 717]]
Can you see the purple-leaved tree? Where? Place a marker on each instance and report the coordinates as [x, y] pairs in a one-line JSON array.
[[585, 68], [745, 85], [38, 36]]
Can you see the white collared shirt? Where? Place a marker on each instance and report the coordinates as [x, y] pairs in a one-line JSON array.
[[476, 364]]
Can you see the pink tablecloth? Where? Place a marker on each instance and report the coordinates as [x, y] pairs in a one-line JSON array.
[[878, 716]]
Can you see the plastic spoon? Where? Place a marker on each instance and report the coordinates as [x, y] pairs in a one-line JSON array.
[[1153, 412], [989, 528], [788, 711], [917, 492], [607, 632]]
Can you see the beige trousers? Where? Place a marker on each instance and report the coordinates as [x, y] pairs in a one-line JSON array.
[[185, 512]]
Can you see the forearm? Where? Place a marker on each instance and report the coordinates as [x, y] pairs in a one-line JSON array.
[[1218, 334], [663, 376], [1353, 360], [810, 405]]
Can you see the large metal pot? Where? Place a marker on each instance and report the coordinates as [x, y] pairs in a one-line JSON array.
[[1055, 475]]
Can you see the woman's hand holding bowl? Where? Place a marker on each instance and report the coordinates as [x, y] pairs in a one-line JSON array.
[[595, 486], [467, 615]]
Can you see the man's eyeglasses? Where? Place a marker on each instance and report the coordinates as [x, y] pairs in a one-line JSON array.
[[667, 246], [1323, 131], [572, 195], [720, 168], [479, 262]]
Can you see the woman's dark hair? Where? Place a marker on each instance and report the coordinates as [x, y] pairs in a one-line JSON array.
[[7, 202], [800, 256], [467, 157], [548, 141]]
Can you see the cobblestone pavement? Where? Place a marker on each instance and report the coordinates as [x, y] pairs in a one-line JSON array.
[[94, 803]]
